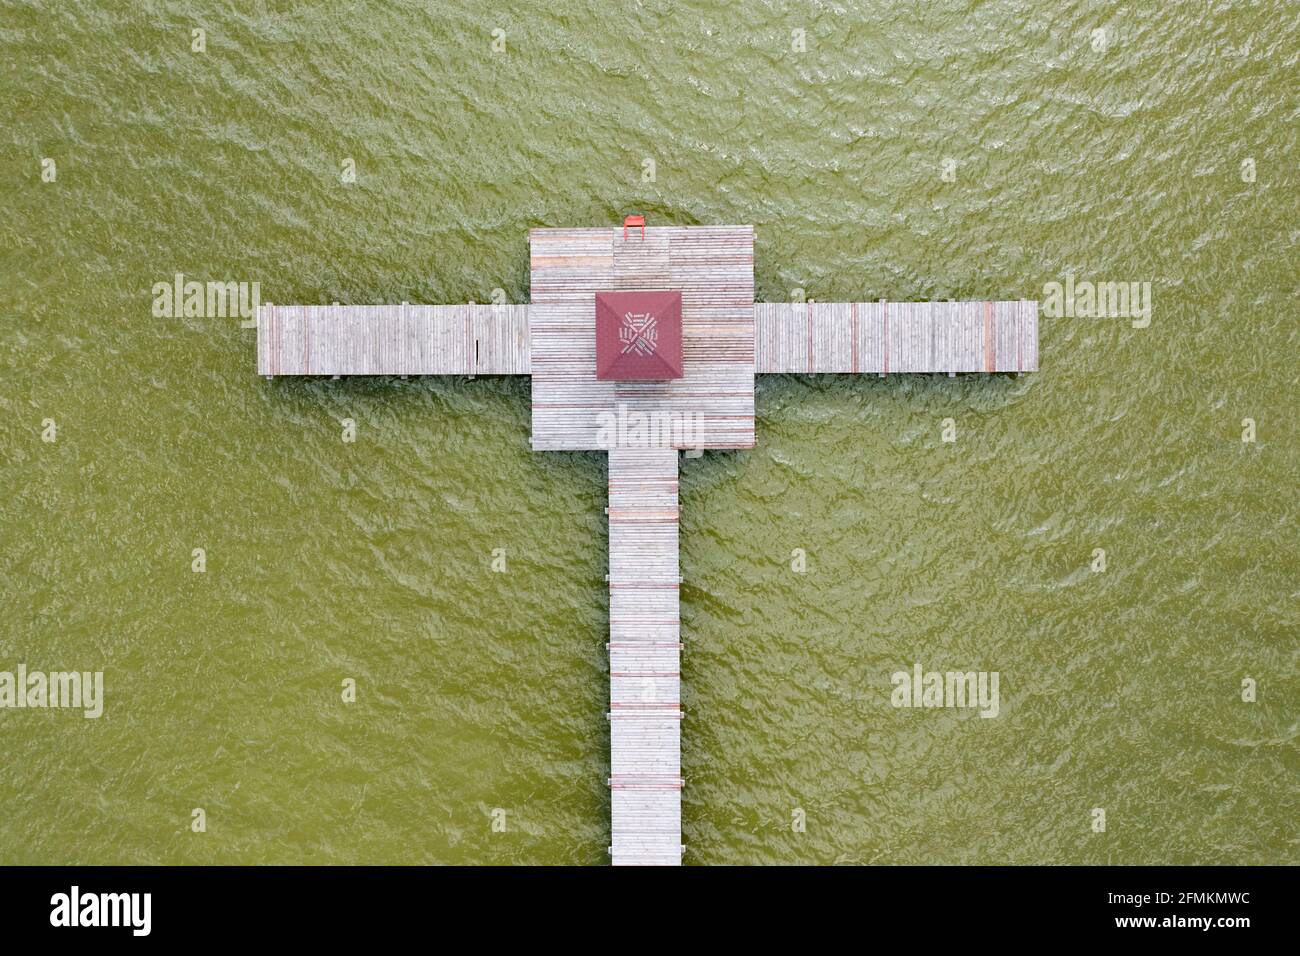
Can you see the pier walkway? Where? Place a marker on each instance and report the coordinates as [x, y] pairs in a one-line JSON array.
[[644, 658], [392, 340], [884, 337]]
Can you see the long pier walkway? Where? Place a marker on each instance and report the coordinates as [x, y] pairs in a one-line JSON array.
[[863, 337], [644, 658], [393, 340], [884, 337]]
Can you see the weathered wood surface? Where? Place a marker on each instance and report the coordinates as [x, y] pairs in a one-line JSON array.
[[886, 337], [644, 658], [712, 267], [392, 340]]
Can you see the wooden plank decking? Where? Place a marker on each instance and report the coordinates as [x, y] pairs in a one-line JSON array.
[[885, 337], [392, 340], [712, 267], [644, 658]]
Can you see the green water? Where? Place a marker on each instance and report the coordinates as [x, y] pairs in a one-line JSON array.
[[1120, 689]]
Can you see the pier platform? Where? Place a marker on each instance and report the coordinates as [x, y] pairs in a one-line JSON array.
[[712, 267]]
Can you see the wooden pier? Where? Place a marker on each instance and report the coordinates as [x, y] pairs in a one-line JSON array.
[[712, 267], [725, 340], [885, 337], [392, 340], [644, 658]]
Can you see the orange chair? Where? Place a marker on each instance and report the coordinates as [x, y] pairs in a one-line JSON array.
[[634, 221]]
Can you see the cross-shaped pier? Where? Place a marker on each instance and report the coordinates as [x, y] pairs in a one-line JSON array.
[[608, 379]]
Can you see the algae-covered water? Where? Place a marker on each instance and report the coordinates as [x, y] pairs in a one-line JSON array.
[[898, 150]]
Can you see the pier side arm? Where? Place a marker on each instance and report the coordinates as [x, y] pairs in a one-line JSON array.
[[392, 340], [883, 337]]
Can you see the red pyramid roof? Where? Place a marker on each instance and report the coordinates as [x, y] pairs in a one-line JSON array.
[[638, 336]]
